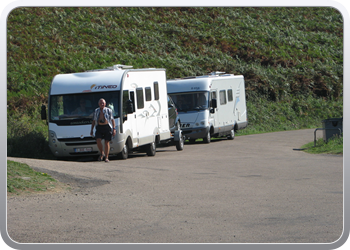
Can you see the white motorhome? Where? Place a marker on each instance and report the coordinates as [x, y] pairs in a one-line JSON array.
[[213, 105], [138, 98]]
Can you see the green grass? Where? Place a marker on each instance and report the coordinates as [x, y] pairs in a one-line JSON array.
[[21, 179], [333, 146], [291, 58], [280, 51]]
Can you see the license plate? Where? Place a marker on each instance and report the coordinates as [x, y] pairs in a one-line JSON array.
[[79, 150]]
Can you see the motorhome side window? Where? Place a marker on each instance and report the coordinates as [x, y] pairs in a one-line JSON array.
[[222, 95], [156, 90], [212, 96], [132, 98], [148, 94], [125, 101], [230, 95], [139, 98]]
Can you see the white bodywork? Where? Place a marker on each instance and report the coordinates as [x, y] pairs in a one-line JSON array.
[[199, 118], [69, 134]]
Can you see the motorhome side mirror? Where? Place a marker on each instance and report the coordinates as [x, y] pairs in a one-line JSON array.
[[129, 107], [43, 112]]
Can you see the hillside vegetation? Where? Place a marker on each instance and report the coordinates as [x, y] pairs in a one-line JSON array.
[[291, 58]]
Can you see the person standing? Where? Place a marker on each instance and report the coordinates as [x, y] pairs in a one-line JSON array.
[[104, 124]]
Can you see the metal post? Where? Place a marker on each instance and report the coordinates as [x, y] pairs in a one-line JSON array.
[[323, 129]]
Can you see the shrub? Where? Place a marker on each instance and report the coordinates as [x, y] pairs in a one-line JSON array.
[[27, 137]]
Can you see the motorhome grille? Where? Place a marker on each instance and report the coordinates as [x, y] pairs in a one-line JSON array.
[[186, 131], [76, 139]]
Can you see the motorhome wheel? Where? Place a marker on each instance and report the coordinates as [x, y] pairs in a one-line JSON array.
[[178, 125], [207, 138], [125, 152], [231, 136], [151, 149], [180, 144]]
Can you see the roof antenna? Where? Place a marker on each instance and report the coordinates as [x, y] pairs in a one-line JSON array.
[[120, 67], [217, 73]]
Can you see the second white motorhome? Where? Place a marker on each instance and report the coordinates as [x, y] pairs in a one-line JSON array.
[[138, 98], [210, 106]]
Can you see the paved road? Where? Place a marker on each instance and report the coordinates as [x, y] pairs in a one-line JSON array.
[[254, 189]]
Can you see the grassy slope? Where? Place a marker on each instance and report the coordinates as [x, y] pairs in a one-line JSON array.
[[292, 58], [21, 179]]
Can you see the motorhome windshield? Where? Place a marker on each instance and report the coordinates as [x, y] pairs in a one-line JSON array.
[[77, 109], [193, 101]]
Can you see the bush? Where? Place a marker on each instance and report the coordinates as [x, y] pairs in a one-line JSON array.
[[27, 137]]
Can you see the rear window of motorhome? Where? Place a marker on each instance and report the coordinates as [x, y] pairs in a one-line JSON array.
[[156, 91], [222, 95], [148, 94], [229, 95], [139, 98]]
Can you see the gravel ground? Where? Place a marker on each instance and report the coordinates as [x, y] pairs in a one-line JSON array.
[[254, 189]]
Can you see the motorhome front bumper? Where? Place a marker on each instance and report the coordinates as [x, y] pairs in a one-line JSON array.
[[195, 133], [65, 147]]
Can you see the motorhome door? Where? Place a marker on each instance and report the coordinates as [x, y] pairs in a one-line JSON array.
[[129, 122], [145, 115]]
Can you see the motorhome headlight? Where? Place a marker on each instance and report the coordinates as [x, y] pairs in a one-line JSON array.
[[52, 133], [200, 123], [53, 136]]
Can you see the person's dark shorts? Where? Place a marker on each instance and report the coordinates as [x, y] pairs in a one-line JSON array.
[[103, 132]]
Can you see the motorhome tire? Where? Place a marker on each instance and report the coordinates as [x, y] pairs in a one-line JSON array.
[[125, 152], [207, 138], [178, 125], [180, 144], [231, 136], [151, 149]]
